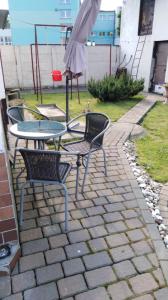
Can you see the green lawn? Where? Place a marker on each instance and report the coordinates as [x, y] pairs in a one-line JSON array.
[[113, 110], [153, 149]]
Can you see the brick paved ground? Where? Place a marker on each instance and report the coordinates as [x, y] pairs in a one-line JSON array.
[[112, 250]]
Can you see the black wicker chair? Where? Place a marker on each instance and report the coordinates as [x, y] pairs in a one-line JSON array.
[[96, 126], [45, 166], [16, 114]]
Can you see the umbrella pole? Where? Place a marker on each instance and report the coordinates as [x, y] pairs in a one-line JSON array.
[[67, 99]]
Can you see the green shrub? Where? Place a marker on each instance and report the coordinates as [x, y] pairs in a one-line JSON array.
[[111, 89]]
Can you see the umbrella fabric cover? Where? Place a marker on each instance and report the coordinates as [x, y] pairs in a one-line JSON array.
[[75, 56]]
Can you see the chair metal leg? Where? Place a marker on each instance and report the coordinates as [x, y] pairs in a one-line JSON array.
[[27, 143], [14, 158], [59, 143], [66, 207], [17, 178], [86, 171], [21, 203], [78, 164], [105, 162]]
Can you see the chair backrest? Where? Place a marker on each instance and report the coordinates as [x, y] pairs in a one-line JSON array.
[[42, 164], [3, 108], [95, 124], [16, 114]]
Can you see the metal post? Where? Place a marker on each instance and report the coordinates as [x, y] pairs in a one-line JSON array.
[[67, 99]]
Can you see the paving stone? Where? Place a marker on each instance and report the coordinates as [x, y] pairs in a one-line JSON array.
[[59, 217], [5, 286], [45, 211], [92, 221], [115, 240], [43, 292], [84, 204], [161, 294], [153, 259], [95, 210], [49, 273], [79, 236], [124, 269], [73, 225], [131, 204], [141, 248], [23, 281], [116, 227], [115, 198], [73, 266], [119, 291], [58, 241], [35, 246], [96, 294], [101, 276], [51, 230], [55, 255], [28, 224], [30, 262], [133, 223], [144, 297], [71, 285], [97, 260], [78, 214], [76, 250], [43, 221], [121, 253], [159, 277], [112, 217], [135, 235], [98, 245], [100, 201], [114, 207], [143, 283], [142, 264], [30, 214], [31, 234], [129, 214], [98, 231]]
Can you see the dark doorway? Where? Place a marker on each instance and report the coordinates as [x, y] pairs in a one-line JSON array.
[[160, 57]]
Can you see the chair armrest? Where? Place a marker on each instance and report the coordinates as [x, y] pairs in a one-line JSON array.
[[36, 112], [76, 118]]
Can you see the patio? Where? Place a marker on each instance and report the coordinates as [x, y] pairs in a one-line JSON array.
[[113, 249]]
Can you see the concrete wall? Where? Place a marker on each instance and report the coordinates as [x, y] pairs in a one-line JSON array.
[[17, 64], [129, 37]]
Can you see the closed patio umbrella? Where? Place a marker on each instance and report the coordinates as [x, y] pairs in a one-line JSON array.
[[75, 54]]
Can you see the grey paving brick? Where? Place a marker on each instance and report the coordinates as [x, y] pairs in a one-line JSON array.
[[51, 230], [116, 227], [79, 236], [28, 224], [73, 266], [114, 207], [129, 214], [153, 259], [143, 283], [119, 291], [35, 246], [144, 297], [92, 221], [112, 217], [142, 264], [131, 204], [98, 231], [58, 241], [43, 292], [161, 294], [115, 240], [59, 218], [31, 234], [124, 269], [100, 201], [55, 255], [97, 260], [84, 204], [49, 273], [98, 244], [96, 294], [43, 221], [71, 285], [135, 235], [23, 281], [5, 286], [78, 213], [159, 277], [95, 210], [121, 253], [101, 276], [133, 223], [115, 198], [76, 250], [17, 296], [141, 247], [30, 262], [73, 225]]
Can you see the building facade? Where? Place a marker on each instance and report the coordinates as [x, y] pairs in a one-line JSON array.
[[24, 14], [5, 37], [147, 21]]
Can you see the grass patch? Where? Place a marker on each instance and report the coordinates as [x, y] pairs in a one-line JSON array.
[[113, 110], [152, 150]]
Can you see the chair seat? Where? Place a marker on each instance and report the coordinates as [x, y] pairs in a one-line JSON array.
[[83, 147]]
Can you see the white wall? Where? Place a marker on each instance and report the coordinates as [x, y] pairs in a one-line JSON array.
[[2, 88], [17, 64], [129, 37]]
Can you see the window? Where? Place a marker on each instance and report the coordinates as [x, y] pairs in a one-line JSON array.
[[1, 40], [93, 33], [102, 17], [8, 40], [101, 33], [65, 1], [110, 17], [110, 33], [65, 14], [146, 17]]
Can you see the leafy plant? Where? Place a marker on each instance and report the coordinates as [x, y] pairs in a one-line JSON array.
[[111, 89]]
